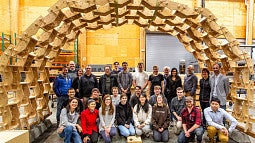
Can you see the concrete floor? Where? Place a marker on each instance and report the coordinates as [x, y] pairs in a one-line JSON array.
[[51, 136]]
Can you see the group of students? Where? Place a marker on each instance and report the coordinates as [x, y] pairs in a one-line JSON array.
[[86, 125], [140, 114]]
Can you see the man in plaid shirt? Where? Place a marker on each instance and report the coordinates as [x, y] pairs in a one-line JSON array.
[[191, 123]]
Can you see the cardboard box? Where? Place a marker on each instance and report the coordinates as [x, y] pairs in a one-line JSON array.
[[134, 139], [14, 136]]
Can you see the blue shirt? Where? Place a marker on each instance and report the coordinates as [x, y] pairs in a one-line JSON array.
[[216, 118]]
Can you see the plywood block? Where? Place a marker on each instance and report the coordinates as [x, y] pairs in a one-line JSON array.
[[165, 13], [47, 37], [3, 95], [28, 61], [6, 116], [64, 28], [24, 123], [33, 28], [72, 35], [15, 122], [189, 48], [182, 10], [26, 94], [211, 41], [69, 15], [209, 64], [194, 34], [14, 136], [183, 38], [25, 46], [198, 56], [43, 62], [192, 23], [60, 4], [205, 12], [5, 57], [196, 46], [212, 55], [249, 62], [228, 51], [225, 63], [24, 110], [134, 139], [227, 34], [52, 20]]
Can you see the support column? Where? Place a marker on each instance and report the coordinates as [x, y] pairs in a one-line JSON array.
[[14, 11], [249, 22], [142, 46]]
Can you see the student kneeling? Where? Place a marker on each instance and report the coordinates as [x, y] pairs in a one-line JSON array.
[[68, 122], [160, 120], [214, 116]]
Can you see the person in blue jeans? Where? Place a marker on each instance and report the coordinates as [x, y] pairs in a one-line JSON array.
[[60, 86], [124, 117], [68, 127], [107, 113]]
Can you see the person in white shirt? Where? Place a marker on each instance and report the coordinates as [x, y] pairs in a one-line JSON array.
[[214, 116], [140, 77]]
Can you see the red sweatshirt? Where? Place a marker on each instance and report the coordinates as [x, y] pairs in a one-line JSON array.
[[88, 121]]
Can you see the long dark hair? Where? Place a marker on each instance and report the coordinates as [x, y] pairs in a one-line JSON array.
[[145, 106], [171, 75], [77, 109]]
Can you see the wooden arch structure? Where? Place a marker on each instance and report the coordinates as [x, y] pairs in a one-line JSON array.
[[25, 103]]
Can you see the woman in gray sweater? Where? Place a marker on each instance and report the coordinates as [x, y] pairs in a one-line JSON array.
[[68, 122], [107, 117]]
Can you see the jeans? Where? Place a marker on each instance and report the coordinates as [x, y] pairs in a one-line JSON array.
[[161, 136], [69, 133], [125, 131], [108, 139], [60, 101], [198, 132]]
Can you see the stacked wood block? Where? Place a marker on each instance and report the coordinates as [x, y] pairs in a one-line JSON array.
[[196, 28]]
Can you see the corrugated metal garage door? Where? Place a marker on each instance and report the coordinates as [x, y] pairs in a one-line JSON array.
[[165, 50]]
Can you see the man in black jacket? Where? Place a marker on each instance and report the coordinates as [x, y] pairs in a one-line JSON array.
[[87, 82], [107, 81]]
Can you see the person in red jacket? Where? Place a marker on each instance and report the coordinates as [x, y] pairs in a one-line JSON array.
[[89, 118]]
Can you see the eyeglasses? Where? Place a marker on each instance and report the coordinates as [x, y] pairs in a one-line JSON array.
[[107, 99], [187, 101], [88, 68]]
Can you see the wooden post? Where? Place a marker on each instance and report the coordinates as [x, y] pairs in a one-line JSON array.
[[249, 22]]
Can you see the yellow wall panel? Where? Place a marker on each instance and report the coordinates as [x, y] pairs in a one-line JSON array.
[[38, 3], [120, 44], [231, 14], [4, 16]]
